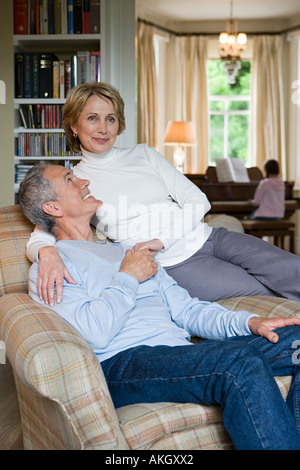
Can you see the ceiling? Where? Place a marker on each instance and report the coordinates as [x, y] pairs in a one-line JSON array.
[[202, 10]]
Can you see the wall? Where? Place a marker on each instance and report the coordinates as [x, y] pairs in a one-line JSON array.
[[119, 59], [7, 109]]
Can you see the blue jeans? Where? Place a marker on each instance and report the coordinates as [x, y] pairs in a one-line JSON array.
[[237, 374]]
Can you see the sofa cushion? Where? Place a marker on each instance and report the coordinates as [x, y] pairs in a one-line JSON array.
[[166, 426]]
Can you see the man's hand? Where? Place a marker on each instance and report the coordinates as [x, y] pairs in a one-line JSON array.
[[154, 246], [140, 265], [264, 326], [51, 271]]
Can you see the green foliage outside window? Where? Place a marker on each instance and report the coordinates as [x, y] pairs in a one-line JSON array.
[[229, 119]]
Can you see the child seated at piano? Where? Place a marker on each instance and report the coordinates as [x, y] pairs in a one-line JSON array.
[[269, 195]]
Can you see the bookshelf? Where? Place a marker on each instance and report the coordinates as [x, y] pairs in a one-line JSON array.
[[39, 97], [35, 142]]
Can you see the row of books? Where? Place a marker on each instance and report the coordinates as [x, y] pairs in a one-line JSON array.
[[40, 116], [43, 75], [56, 16], [22, 168], [42, 144], [20, 172]]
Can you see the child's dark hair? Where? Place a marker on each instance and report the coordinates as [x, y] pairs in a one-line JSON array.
[[271, 168]]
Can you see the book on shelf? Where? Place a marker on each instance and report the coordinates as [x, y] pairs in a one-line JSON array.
[[46, 74], [95, 16], [43, 75], [27, 75], [19, 75], [56, 79], [83, 67], [31, 117], [86, 17], [24, 122], [61, 78], [95, 66], [56, 16], [70, 6], [33, 7], [50, 17], [64, 17], [231, 170], [78, 17], [67, 77], [44, 13], [21, 16], [35, 75], [74, 72]]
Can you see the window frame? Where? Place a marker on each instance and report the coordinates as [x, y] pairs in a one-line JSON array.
[[226, 113]]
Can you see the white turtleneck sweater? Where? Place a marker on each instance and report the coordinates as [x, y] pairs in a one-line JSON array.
[[144, 197]]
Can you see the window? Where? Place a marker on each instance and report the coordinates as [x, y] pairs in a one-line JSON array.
[[229, 112]]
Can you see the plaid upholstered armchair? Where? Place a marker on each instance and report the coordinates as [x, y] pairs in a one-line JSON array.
[[63, 397]]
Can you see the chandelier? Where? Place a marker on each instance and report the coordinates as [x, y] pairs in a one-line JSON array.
[[232, 44]]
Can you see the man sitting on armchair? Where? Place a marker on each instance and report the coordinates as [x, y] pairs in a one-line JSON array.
[[139, 323]]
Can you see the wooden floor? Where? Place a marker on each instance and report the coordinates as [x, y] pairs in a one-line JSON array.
[[10, 422]]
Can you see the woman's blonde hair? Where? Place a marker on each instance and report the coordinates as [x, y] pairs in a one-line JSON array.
[[76, 100]]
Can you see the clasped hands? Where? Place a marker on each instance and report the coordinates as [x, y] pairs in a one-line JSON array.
[[139, 262]]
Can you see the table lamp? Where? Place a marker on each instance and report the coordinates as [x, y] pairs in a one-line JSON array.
[[180, 134]]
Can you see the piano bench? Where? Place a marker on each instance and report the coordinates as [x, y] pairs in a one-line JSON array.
[[276, 229]]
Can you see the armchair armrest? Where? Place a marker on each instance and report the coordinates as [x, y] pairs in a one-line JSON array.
[[64, 399], [265, 306]]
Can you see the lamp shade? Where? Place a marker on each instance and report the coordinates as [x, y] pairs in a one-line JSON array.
[[223, 38], [242, 39], [180, 133]]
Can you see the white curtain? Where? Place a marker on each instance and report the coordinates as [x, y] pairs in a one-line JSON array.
[[189, 91], [147, 86], [185, 92], [267, 110]]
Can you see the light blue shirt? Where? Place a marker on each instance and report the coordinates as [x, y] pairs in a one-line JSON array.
[[113, 312]]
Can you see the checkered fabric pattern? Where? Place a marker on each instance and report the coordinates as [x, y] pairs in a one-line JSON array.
[[63, 396], [15, 230]]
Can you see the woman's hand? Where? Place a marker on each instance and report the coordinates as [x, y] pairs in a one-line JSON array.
[[264, 326], [51, 271], [154, 246]]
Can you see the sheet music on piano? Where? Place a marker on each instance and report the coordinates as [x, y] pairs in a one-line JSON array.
[[231, 170]]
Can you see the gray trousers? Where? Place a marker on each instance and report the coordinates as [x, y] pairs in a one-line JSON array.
[[232, 264]]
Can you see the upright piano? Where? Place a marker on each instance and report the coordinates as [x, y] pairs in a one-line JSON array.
[[233, 198]]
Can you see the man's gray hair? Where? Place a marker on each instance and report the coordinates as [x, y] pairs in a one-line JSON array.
[[34, 191]]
